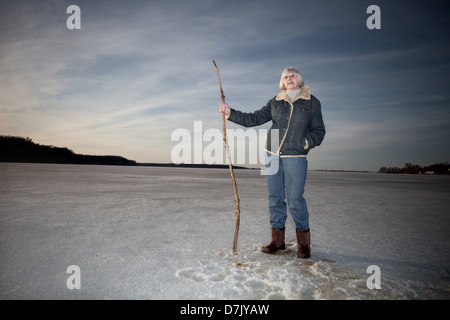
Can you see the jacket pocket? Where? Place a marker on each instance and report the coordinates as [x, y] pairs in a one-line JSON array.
[[280, 106], [303, 108]]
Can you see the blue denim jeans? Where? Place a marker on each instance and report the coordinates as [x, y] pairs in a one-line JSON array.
[[288, 184]]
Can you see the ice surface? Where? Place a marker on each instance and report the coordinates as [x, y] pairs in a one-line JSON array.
[[167, 233]]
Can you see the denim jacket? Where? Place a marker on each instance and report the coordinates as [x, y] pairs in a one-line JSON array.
[[299, 123]]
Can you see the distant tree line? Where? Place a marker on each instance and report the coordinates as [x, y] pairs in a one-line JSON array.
[[18, 149], [438, 168]]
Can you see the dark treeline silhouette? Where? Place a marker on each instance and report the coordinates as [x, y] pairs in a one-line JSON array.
[[18, 149], [438, 168]]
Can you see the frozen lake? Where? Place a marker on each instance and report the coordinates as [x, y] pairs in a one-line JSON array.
[[167, 233]]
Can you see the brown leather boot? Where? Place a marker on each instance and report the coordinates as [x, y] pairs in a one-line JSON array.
[[304, 244], [277, 241]]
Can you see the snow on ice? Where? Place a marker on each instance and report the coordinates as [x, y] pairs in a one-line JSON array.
[[166, 233]]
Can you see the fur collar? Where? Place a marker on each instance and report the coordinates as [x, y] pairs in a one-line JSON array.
[[305, 94]]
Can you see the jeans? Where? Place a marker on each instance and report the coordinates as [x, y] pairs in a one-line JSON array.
[[288, 183]]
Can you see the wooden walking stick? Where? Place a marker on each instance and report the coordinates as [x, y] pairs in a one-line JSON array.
[[233, 179]]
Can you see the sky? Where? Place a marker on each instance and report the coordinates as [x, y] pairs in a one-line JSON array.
[[137, 71]]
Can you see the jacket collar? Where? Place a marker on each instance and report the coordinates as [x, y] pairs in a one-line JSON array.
[[305, 94]]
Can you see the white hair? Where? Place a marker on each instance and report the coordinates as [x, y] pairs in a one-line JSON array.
[[293, 71]]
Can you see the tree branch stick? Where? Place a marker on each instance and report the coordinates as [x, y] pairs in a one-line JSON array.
[[233, 179]]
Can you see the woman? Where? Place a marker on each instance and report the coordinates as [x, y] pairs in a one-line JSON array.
[[296, 116]]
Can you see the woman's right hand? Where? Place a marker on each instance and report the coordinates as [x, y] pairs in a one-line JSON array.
[[224, 108]]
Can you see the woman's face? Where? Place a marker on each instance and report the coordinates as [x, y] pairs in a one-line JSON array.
[[290, 81]]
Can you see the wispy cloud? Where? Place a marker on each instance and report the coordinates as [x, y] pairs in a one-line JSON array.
[[138, 70]]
